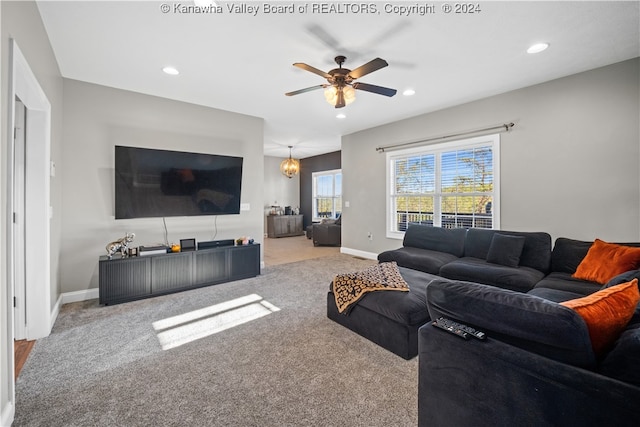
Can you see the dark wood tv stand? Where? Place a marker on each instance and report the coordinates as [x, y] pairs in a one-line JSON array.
[[132, 278]]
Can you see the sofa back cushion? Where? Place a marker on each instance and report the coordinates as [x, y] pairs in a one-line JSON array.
[[505, 250], [435, 238], [604, 261], [529, 322], [567, 254], [536, 252]]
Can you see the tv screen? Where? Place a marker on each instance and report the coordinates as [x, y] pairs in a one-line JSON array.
[[160, 183]]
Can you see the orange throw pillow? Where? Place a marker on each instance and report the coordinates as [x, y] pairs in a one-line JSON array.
[[605, 260], [607, 313]]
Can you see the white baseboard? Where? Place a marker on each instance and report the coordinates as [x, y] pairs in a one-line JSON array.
[[8, 413], [68, 297], [358, 253], [55, 311], [76, 296]]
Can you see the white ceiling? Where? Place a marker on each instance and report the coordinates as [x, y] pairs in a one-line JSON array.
[[243, 63]]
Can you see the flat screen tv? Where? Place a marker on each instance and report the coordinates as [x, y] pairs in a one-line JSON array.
[[161, 183]]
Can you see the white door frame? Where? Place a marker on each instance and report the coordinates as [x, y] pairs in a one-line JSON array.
[[18, 252], [24, 85]]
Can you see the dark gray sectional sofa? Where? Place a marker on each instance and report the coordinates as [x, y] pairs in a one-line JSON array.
[[392, 321], [537, 366]]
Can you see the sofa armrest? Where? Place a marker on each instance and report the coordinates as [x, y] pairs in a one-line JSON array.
[[532, 323], [472, 383]]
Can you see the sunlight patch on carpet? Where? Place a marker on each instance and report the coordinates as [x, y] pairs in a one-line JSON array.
[[182, 329]]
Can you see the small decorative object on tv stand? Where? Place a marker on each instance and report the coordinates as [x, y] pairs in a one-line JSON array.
[[244, 241], [120, 245]]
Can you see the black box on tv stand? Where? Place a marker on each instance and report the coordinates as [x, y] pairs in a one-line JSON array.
[[215, 243]]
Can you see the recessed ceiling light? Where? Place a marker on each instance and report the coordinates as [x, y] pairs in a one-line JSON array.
[[341, 116], [409, 92], [538, 47], [172, 71]]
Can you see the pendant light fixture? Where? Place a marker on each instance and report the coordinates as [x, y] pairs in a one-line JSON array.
[[290, 167]]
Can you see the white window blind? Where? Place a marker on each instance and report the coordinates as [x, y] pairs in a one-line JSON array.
[[449, 185]]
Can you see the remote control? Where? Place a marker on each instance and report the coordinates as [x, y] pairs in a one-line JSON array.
[[450, 328], [468, 329]]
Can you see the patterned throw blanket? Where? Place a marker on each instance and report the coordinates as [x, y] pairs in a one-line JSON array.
[[349, 288]]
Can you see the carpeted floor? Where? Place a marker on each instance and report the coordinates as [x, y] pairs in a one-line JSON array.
[[289, 366]]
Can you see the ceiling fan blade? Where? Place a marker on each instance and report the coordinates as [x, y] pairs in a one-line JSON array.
[[308, 89], [367, 68], [312, 69], [390, 32], [324, 36], [374, 89]]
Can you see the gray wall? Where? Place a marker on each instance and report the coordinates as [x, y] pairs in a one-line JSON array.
[[308, 166], [278, 189], [21, 21], [569, 167], [96, 118]]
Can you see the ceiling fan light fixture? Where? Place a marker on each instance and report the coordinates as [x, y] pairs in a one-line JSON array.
[[290, 167], [349, 94], [341, 88], [332, 95]]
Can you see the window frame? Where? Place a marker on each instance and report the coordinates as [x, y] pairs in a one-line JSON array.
[[492, 141], [314, 196]]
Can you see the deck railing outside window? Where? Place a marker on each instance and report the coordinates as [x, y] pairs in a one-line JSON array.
[[449, 220]]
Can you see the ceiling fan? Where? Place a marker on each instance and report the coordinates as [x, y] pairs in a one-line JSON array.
[[340, 87]]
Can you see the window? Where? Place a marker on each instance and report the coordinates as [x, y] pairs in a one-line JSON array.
[[449, 185], [327, 194]]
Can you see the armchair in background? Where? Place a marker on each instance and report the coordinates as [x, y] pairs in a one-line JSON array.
[[328, 232]]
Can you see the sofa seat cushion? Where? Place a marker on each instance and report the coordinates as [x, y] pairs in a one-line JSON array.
[[471, 269], [425, 260], [407, 308], [565, 282]]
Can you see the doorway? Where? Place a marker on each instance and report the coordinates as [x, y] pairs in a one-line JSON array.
[[23, 87], [28, 243]]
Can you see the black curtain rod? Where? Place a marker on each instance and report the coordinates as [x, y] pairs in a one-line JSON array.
[[502, 128]]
